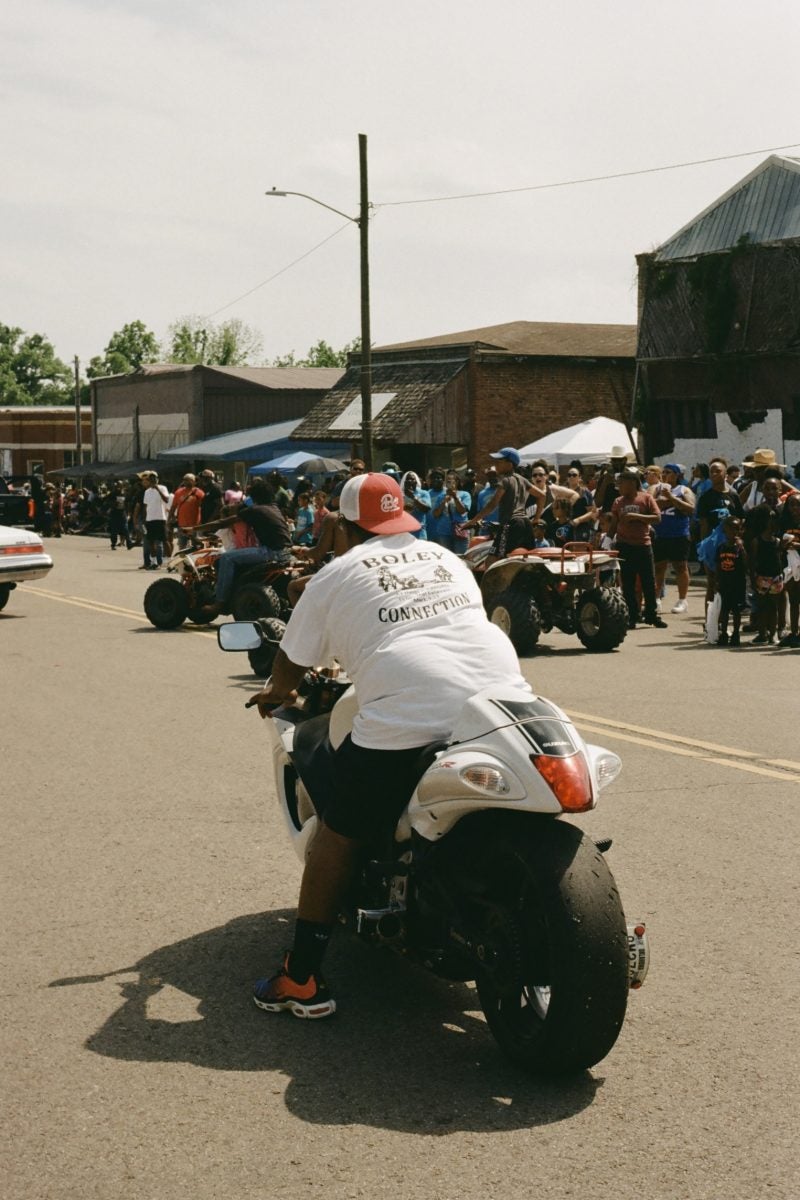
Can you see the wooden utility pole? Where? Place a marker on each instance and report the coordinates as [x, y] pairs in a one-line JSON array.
[[366, 351], [78, 429]]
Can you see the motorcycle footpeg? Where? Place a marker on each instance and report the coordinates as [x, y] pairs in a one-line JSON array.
[[603, 844], [638, 955]]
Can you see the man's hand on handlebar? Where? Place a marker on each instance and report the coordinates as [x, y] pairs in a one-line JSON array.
[[270, 698]]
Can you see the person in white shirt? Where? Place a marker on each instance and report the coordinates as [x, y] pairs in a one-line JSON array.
[[405, 619], [156, 503]]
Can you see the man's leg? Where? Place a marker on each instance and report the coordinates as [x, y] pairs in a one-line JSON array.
[[681, 570], [371, 789], [628, 572], [647, 576], [227, 564]]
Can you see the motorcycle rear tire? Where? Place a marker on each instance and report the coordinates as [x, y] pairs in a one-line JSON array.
[[261, 660], [255, 600], [515, 612], [166, 604], [601, 620], [559, 1008]]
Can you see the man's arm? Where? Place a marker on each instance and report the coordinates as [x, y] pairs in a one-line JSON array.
[[489, 507], [682, 504], [282, 685]]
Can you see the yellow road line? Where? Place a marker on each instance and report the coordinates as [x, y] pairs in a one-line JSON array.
[[110, 609], [668, 747], [654, 739], [731, 751]]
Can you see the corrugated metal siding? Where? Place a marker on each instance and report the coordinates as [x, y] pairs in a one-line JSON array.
[[765, 209]]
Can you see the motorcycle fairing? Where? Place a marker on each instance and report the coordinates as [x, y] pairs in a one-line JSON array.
[[497, 730]]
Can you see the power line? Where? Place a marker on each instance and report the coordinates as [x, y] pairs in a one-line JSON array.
[[282, 271], [540, 187]]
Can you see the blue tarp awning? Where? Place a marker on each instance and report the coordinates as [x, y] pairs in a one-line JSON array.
[[254, 445]]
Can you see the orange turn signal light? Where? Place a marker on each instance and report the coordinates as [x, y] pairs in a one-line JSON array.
[[568, 779]]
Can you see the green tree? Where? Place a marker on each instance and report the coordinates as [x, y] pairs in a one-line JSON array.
[[126, 351], [320, 355], [195, 340], [30, 372]]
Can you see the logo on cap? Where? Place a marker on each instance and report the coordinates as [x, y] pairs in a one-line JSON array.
[[389, 503]]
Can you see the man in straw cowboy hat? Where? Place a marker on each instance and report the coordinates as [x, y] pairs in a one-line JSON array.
[[763, 465]]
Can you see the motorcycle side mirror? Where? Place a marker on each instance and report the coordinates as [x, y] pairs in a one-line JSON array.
[[239, 635]]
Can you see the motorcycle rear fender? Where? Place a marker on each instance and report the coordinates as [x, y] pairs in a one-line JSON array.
[[443, 796]]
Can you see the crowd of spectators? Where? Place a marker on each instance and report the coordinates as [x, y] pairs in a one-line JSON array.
[[740, 521]]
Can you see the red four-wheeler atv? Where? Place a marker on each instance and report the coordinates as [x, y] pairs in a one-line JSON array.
[[572, 588], [258, 592]]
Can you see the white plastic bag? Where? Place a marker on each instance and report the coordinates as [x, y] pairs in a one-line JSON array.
[[712, 620], [792, 569]]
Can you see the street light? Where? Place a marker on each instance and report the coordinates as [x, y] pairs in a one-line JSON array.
[[362, 221]]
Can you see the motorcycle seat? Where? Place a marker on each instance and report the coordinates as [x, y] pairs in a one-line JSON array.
[[313, 758]]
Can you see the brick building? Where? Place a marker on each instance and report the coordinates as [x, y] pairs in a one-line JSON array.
[[453, 399], [164, 405], [40, 438]]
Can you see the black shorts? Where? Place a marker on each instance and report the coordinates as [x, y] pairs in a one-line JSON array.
[[670, 550], [370, 789], [516, 534]]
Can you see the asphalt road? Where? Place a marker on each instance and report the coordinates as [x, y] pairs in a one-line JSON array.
[[146, 882]]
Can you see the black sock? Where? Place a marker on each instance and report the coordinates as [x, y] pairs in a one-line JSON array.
[[310, 943]]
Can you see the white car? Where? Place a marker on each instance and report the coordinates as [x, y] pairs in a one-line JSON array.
[[22, 557]]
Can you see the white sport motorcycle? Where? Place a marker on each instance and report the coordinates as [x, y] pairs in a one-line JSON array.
[[483, 879]]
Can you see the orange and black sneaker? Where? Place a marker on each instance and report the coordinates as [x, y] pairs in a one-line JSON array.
[[309, 1000]]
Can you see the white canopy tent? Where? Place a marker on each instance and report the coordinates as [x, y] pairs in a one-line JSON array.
[[589, 441]]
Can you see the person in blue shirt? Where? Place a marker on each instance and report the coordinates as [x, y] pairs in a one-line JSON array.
[[449, 511], [416, 501], [303, 521], [484, 495]]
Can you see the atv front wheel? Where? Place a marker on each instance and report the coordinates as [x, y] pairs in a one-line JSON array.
[[602, 620], [255, 600], [166, 604], [516, 614]]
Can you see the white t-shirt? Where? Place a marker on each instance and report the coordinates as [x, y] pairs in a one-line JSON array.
[[405, 620], [156, 503]]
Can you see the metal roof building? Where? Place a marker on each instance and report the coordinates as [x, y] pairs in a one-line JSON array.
[[718, 356], [763, 207]]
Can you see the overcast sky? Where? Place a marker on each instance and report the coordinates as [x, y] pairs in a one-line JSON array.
[[139, 137]]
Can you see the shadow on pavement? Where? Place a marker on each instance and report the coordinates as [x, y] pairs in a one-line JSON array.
[[405, 1052]]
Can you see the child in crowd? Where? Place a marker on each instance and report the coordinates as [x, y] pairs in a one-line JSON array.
[[731, 579], [540, 542], [790, 549], [766, 570]]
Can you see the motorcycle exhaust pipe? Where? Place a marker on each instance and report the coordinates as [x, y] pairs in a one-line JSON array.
[[385, 923]]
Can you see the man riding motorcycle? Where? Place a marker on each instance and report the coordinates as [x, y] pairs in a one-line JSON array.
[[405, 620]]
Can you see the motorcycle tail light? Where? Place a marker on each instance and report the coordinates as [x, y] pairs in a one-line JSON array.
[[488, 779], [568, 779]]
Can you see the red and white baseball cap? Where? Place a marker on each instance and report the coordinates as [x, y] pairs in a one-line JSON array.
[[375, 502]]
